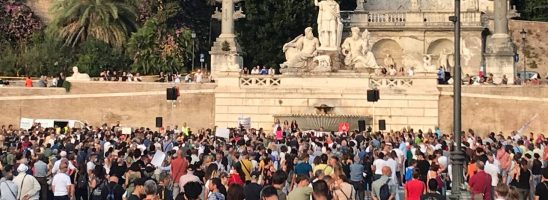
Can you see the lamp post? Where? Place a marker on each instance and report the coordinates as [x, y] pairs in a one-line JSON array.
[[523, 34], [457, 155], [193, 35]]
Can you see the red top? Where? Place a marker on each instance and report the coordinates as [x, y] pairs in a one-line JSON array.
[[28, 82], [414, 189], [178, 167], [481, 183]]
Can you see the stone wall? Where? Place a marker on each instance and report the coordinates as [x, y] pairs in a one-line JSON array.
[[496, 108], [536, 45], [131, 104]]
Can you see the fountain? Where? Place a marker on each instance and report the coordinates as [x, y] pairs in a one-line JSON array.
[[323, 118]]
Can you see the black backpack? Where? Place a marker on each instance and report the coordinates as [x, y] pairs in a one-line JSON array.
[[384, 192], [82, 182], [110, 195]]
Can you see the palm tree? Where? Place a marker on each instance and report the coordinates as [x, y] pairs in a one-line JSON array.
[[110, 21]]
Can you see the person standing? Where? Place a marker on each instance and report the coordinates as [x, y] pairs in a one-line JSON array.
[[432, 191], [179, 167], [378, 166], [492, 169], [214, 186], [252, 190], [138, 190], [8, 189], [28, 82], [28, 186], [414, 188], [379, 183], [40, 173], [480, 183], [356, 178], [541, 190], [61, 185], [302, 191]]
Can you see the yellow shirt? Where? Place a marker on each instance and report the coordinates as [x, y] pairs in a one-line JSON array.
[[246, 168], [327, 170]]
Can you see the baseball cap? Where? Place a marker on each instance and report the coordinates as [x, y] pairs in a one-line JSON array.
[[63, 154]]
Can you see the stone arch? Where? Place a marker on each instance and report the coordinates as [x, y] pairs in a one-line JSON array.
[[387, 46], [436, 47]]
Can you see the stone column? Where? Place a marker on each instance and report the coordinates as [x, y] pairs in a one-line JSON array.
[[501, 18], [227, 19]]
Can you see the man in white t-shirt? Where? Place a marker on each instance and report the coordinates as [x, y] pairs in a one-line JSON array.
[[57, 163], [393, 164], [492, 169], [377, 166], [61, 186]]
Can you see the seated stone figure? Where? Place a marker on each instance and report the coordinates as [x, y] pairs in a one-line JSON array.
[[77, 76], [356, 50], [300, 51]]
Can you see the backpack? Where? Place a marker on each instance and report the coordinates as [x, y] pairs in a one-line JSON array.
[[384, 192], [82, 182], [110, 195], [96, 193], [409, 173]]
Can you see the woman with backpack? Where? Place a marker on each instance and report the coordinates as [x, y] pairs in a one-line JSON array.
[[82, 180], [96, 180]]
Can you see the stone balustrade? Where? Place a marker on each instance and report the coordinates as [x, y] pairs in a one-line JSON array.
[[424, 19], [259, 81], [391, 82]]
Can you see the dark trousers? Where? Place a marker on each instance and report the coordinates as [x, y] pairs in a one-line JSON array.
[[43, 187], [81, 194], [66, 197], [359, 186]]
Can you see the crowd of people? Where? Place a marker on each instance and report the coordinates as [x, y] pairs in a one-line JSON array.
[[176, 163]]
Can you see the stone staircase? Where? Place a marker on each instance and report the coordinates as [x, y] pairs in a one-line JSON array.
[[41, 9]]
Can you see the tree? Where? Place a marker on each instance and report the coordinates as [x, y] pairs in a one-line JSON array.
[[95, 56], [536, 10], [270, 24], [76, 21]]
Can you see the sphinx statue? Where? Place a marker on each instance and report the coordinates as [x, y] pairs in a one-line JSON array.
[[77, 76], [300, 51], [356, 50]]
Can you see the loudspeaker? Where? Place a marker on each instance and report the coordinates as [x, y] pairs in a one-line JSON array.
[[171, 94], [158, 122], [373, 95], [382, 124], [361, 125]]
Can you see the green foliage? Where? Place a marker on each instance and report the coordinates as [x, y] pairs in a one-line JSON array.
[[67, 85], [536, 10], [41, 55], [270, 24], [96, 55], [154, 49], [76, 21]]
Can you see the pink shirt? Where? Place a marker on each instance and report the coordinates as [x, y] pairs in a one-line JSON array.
[[503, 158]]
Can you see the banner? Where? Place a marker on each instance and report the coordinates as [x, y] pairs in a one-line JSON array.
[[126, 130], [344, 127], [26, 123], [222, 132], [245, 122], [158, 158]]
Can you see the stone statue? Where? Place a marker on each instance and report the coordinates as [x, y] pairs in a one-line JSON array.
[[414, 4], [77, 76], [389, 61], [356, 50], [300, 50], [329, 24], [427, 64], [324, 63], [443, 60]]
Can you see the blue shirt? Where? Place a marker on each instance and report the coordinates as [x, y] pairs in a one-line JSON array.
[[356, 172], [303, 168], [264, 72]]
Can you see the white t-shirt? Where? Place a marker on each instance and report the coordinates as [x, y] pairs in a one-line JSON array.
[[379, 164], [393, 165], [60, 182], [442, 160], [494, 171]]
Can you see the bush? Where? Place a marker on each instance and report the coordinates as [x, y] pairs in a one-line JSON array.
[[67, 85]]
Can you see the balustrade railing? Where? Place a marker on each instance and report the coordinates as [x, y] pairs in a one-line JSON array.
[[259, 81], [390, 82], [409, 19]]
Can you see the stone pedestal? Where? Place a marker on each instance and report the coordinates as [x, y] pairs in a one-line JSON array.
[[228, 59], [499, 57], [335, 56]]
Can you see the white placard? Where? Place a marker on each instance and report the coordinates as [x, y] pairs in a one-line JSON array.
[[245, 122], [26, 123], [71, 123], [158, 158], [222, 132], [45, 123], [126, 130]]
